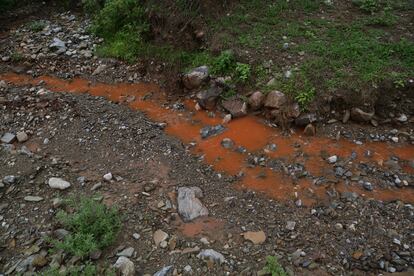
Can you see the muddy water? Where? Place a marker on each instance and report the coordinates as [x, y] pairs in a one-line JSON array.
[[250, 133]]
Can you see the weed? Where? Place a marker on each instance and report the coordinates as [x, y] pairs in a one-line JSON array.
[[384, 18], [224, 64], [87, 269], [92, 225], [228, 94], [305, 97], [242, 72], [36, 26], [273, 267], [16, 57]]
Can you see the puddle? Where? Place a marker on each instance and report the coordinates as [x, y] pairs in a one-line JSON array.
[[250, 133]]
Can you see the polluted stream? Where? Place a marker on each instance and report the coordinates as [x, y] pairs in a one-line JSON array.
[[286, 168]]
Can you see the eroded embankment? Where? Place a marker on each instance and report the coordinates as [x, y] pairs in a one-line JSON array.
[[249, 133]]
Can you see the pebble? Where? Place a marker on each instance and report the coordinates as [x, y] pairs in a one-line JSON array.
[[290, 225], [33, 198], [108, 177], [211, 255], [8, 138], [159, 236], [58, 183], [368, 186], [394, 139], [9, 179], [333, 159], [22, 136], [125, 266], [127, 252], [136, 236], [164, 271]]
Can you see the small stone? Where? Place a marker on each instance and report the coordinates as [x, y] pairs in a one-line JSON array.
[[290, 225], [96, 186], [136, 236], [125, 266], [394, 139], [188, 269], [204, 241], [159, 236], [33, 198], [22, 136], [333, 159], [258, 237], [403, 118], [189, 204], [58, 183], [211, 255], [8, 138], [339, 226], [108, 177], [9, 179], [164, 271], [368, 186], [127, 252], [227, 118], [359, 115], [99, 69], [227, 143]]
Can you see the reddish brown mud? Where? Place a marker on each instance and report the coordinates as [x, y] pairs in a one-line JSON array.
[[250, 133]]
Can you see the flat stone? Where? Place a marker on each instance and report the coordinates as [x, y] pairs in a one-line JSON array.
[[127, 252], [258, 237], [236, 106], [8, 138], [33, 198], [58, 183]]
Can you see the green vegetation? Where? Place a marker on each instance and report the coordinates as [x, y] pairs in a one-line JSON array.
[[86, 270], [93, 226], [36, 26], [273, 267], [16, 57]]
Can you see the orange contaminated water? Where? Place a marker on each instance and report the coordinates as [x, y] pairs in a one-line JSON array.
[[253, 135]]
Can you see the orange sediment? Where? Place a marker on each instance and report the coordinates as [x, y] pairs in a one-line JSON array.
[[250, 133]]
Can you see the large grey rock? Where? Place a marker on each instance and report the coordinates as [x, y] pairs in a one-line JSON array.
[[189, 206], [256, 100], [359, 115], [58, 183], [275, 99], [207, 99], [166, 270], [124, 266], [196, 77], [8, 138], [236, 106], [211, 254]]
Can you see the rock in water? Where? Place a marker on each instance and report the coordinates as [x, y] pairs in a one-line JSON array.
[[196, 77], [58, 183], [359, 115], [189, 206], [275, 99], [236, 106], [125, 266], [256, 100], [211, 254], [166, 270], [207, 99], [208, 131], [310, 130]]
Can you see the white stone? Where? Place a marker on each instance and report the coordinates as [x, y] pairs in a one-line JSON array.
[[108, 177], [58, 183], [333, 159]]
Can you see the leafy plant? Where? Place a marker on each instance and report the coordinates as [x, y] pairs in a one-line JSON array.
[[228, 94], [92, 226], [16, 57], [305, 97], [224, 64], [273, 267], [242, 72]]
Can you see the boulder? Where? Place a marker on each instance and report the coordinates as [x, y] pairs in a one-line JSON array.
[[359, 115], [207, 99], [189, 206], [275, 99], [196, 77], [256, 100], [236, 106]]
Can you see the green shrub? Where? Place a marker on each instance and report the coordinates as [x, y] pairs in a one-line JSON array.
[[120, 16], [92, 225], [273, 267], [37, 26]]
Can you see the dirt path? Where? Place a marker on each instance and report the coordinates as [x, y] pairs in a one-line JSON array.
[[319, 215]]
